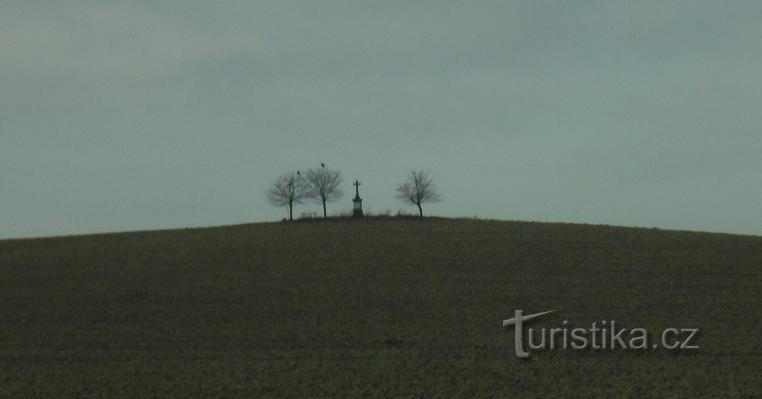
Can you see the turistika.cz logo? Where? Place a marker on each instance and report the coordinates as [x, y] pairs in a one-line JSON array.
[[603, 335]]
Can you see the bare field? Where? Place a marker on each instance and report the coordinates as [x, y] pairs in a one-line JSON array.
[[373, 307]]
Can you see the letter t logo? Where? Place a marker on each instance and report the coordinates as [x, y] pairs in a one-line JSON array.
[[518, 320]]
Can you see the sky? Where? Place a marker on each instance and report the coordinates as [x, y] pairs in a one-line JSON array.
[[158, 114]]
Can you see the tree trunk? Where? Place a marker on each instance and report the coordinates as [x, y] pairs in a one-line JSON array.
[[420, 210], [325, 216], [290, 211]]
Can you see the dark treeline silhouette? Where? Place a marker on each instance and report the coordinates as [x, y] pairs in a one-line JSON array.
[[322, 185]]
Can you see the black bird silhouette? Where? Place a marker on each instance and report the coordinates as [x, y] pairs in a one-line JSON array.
[[322, 164]]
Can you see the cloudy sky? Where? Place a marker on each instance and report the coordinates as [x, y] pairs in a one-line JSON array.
[[153, 114]]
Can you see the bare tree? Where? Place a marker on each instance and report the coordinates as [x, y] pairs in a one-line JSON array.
[[324, 185], [287, 190], [418, 189]]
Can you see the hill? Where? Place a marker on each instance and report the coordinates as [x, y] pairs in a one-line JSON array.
[[373, 307]]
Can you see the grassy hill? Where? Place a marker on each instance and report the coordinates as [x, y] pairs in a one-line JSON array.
[[373, 307]]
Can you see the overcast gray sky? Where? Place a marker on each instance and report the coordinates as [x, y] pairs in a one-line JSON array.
[[153, 114]]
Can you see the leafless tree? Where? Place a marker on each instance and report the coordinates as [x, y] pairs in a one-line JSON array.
[[324, 185], [418, 189], [287, 190]]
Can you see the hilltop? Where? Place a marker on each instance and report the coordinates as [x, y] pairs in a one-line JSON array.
[[372, 307]]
